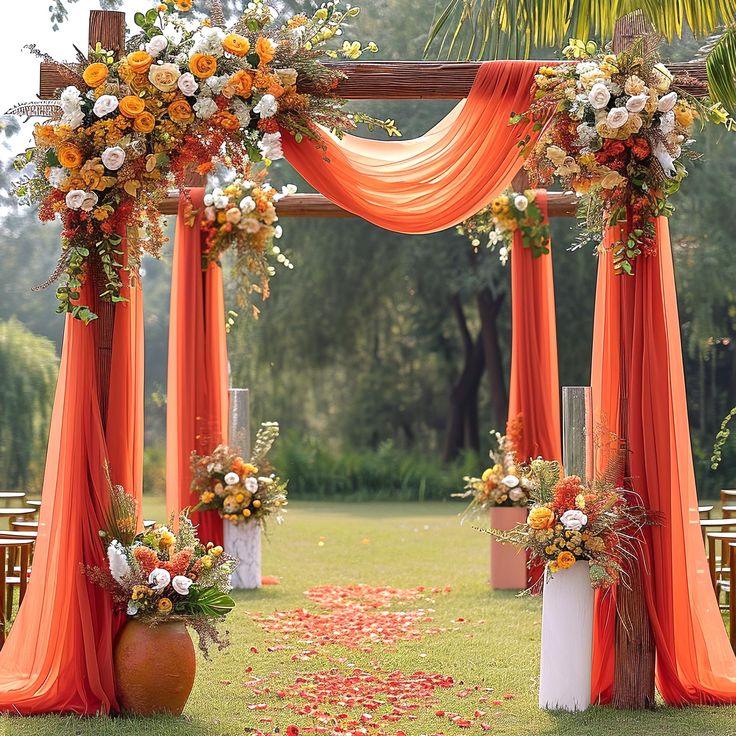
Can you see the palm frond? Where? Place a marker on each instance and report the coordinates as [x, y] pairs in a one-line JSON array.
[[475, 29], [721, 66]]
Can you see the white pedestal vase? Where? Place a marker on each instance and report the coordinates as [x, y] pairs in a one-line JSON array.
[[567, 640], [243, 541]]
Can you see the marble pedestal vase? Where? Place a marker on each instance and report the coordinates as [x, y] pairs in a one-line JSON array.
[[243, 541]]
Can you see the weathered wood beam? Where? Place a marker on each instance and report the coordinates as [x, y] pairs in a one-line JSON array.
[[414, 80], [316, 205]]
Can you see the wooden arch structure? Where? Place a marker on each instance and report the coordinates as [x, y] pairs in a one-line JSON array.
[[414, 80]]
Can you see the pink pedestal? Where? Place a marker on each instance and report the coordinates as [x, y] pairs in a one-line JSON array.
[[508, 563]]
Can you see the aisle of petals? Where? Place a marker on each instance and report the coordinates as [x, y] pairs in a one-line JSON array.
[[347, 700]]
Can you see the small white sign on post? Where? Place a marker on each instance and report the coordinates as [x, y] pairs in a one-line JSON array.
[[242, 541], [567, 604]]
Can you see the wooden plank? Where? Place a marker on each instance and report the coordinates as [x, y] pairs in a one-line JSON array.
[[316, 205], [107, 27], [414, 80]]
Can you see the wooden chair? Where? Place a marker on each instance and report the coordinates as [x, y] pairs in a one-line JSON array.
[[718, 559], [729, 510], [732, 595], [12, 576], [728, 497], [703, 511], [11, 496], [23, 525]]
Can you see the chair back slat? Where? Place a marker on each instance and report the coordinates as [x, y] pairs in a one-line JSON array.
[[15, 557]]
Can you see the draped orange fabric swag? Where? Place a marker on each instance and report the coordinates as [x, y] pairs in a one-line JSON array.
[[435, 181], [534, 391], [637, 353], [196, 411], [58, 656]]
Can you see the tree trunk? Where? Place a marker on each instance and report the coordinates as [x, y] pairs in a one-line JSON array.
[[489, 307]]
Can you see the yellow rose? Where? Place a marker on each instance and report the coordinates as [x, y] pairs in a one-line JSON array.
[[266, 49], [236, 44], [565, 560], [131, 106], [70, 157], [95, 74], [139, 61], [202, 65], [144, 123], [540, 517]]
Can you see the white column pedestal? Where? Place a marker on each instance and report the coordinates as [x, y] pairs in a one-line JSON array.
[[567, 640], [243, 541]]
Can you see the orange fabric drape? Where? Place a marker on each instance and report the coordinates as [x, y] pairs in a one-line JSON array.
[[534, 391], [438, 180], [637, 354], [58, 656], [196, 410]]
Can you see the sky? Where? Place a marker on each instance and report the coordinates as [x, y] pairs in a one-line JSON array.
[[28, 21]]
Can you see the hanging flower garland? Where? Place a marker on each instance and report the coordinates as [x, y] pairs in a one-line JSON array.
[[507, 214], [242, 216], [183, 94], [618, 133]]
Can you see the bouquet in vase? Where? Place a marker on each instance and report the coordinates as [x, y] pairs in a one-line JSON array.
[[241, 491]]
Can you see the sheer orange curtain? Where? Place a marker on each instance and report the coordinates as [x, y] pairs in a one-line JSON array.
[[534, 392], [438, 180], [58, 656], [637, 353], [196, 409]]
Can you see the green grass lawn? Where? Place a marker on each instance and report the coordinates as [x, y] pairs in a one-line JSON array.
[[400, 545]]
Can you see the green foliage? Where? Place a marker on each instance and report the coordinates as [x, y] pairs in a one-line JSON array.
[[386, 473], [28, 369], [722, 69]]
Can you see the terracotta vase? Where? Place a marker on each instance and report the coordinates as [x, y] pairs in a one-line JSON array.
[[508, 564], [154, 668]]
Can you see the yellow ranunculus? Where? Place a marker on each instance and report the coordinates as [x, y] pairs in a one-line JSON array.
[[202, 65], [266, 49], [69, 155], [131, 106], [165, 605], [144, 123], [139, 61], [180, 111], [95, 74], [565, 560], [236, 44], [540, 517]]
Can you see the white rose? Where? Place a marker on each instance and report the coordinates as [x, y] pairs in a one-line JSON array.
[[181, 584], [510, 481], [70, 99], [521, 202], [89, 201], [636, 103], [74, 198], [517, 494], [209, 200], [667, 122], [617, 117], [267, 107], [221, 201], [205, 108], [287, 77], [599, 95], [113, 157], [667, 102], [247, 204], [104, 105], [251, 484], [232, 479], [156, 45], [270, 146], [164, 76], [233, 215], [573, 520], [73, 119], [119, 566], [187, 84], [159, 579], [241, 112]]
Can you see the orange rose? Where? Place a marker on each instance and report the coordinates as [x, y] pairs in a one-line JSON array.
[[540, 517], [144, 123], [266, 49], [70, 157], [95, 74], [236, 44], [180, 111], [183, 6], [139, 61], [241, 83], [565, 560], [203, 65], [132, 106], [226, 120]]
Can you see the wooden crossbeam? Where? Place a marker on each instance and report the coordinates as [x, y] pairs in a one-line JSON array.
[[413, 80], [317, 205]]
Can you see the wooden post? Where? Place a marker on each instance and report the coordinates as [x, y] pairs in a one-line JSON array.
[[577, 431], [633, 686], [107, 29]]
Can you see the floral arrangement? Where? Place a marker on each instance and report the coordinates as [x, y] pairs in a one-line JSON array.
[[571, 521], [185, 93], [241, 491], [505, 483], [243, 215], [507, 214], [161, 575], [617, 132]]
